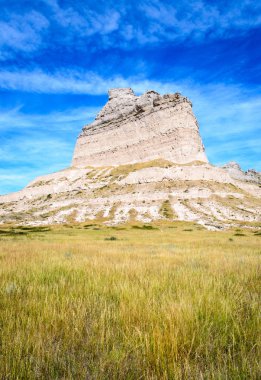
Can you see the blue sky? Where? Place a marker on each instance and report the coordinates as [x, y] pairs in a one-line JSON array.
[[59, 58]]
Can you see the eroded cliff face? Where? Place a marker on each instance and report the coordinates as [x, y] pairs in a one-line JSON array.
[[132, 129], [145, 192], [142, 159]]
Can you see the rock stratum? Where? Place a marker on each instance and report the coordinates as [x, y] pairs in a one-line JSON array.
[[142, 159], [132, 129]]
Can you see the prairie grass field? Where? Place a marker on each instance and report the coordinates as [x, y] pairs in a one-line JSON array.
[[165, 301]]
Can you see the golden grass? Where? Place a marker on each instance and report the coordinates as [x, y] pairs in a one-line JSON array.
[[166, 210], [174, 302], [124, 170]]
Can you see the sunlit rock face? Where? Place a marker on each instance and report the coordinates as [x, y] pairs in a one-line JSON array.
[[141, 160], [235, 171], [132, 129]]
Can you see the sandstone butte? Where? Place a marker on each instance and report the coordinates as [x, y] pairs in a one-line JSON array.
[[132, 129], [142, 159]]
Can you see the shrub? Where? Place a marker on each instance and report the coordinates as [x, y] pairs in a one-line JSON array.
[[145, 227]]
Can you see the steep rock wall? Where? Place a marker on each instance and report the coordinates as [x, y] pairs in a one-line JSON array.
[[133, 128]]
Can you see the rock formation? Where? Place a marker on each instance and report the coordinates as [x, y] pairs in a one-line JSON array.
[[236, 172], [132, 129], [141, 159]]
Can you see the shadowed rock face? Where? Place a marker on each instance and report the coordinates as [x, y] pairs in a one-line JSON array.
[[132, 128]]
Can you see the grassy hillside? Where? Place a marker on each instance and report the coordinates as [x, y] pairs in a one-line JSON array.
[[168, 301]]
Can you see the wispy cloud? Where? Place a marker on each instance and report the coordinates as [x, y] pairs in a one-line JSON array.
[[157, 20], [15, 181], [200, 19], [121, 24], [24, 158], [22, 32], [63, 81], [217, 105], [14, 119], [85, 20], [37, 144]]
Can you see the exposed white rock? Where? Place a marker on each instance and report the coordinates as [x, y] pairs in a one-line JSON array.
[[171, 179], [235, 171], [133, 128]]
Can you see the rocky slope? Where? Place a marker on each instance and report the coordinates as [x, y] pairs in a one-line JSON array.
[[170, 178], [236, 172]]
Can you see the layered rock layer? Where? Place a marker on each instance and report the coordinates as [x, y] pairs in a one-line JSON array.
[[133, 128], [145, 192], [141, 159]]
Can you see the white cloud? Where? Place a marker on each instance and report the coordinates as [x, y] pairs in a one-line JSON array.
[[65, 81], [75, 82], [27, 156], [123, 25], [22, 32], [215, 104], [36, 144], [14, 119], [86, 21], [196, 19]]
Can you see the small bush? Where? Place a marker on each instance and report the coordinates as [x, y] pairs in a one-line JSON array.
[[34, 229], [12, 232], [89, 225], [111, 238], [239, 234], [148, 227], [145, 227]]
